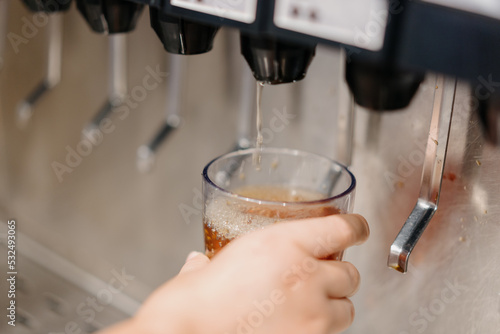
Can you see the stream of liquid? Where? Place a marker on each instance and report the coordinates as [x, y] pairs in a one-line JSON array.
[[257, 157]]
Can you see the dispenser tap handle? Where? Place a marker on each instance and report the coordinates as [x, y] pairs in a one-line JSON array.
[[246, 110], [52, 73], [117, 81], [146, 154], [345, 117], [432, 174]]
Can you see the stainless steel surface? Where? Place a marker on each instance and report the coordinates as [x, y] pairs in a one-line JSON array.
[[53, 69], [104, 214], [451, 285], [432, 175], [53, 295], [4, 10]]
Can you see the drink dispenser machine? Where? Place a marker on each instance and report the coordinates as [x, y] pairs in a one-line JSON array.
[[409, 65], [386, 61]]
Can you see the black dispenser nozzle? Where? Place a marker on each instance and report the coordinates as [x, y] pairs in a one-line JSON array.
[[274, 61], [381, 87], [111, 16], [47, 6], [182, 36]]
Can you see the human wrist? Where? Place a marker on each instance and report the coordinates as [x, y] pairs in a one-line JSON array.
[[159, 318], [170, 324]]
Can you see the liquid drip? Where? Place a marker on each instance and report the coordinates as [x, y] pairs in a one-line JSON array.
[[257, 157]]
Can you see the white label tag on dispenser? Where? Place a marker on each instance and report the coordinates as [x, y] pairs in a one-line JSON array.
[[354, 22], [237, 10]]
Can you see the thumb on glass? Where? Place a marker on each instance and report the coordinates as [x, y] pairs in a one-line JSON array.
[[194, 261]]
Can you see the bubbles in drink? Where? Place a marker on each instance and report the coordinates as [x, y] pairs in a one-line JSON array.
[[228, 218]]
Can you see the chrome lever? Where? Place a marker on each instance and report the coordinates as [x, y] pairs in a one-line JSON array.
[[345, 130], [246, 120], [53, 70], [432, 173], [246, 110], [117, 84], [345, 118], [146, 154]]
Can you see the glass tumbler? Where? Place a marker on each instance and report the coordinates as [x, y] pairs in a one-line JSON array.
[[240, 197]]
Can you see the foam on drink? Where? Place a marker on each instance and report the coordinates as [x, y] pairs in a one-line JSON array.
[[228, 218]]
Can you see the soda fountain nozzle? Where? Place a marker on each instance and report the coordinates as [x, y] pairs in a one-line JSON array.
[[180, 35], [381, 87], [275, 61], [110, 16]]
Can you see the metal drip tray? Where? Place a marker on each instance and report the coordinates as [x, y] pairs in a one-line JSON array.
[[59, 297]]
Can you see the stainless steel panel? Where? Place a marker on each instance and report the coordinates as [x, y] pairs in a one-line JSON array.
[[451, 285], [54, 296], [104, 214]]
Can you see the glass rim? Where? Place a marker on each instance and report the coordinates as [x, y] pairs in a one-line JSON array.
[[286, 151]]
